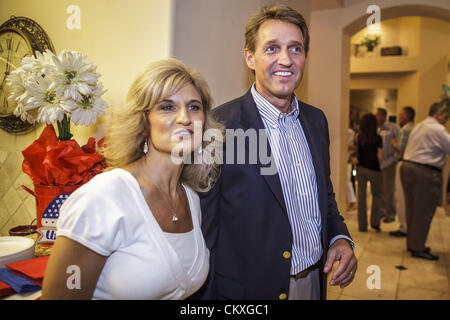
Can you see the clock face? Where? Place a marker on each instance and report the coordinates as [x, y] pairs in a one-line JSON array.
[[13, 47]]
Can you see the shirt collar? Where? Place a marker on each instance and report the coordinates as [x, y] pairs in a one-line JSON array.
[[408, 125], [432, 120], [269, 112]]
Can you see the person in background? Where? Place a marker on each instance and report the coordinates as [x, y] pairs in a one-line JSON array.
[[447, 196], [276, 236], [421, 176], [406, 120], [369, 156], [351, 199], [134, 231], [387, 131]]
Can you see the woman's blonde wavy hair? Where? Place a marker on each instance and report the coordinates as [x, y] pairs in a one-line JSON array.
[[128, 127]]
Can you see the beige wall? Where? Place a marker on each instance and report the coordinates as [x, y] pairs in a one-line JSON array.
[[406, 85], [330, 33], [408, 35], [404, 32], [209, 36], [328, 72], [214, 44], [370, 100], [120, 37], [434, 49], [429, 39]]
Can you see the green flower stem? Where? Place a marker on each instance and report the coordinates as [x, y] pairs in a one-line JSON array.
[[64, 129]]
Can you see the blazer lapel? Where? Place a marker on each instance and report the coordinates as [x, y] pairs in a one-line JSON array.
[[316, 158], [251, 119]]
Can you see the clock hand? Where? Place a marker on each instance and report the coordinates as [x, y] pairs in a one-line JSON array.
[[6, 72], [8, 61], [7, 67], [3, 81]]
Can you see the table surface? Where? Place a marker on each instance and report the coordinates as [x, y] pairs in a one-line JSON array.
[[39, 252], [24, 296]]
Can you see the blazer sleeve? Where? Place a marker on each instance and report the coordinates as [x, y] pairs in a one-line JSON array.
[[209, 202]]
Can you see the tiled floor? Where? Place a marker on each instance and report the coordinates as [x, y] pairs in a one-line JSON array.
[[422, 279]]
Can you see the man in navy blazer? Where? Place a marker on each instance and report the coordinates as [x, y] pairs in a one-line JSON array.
[[274, 234]]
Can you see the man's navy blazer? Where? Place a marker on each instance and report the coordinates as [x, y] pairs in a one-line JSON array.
[[244, 216]]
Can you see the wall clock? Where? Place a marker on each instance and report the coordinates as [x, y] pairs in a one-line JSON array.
[[19, 37]]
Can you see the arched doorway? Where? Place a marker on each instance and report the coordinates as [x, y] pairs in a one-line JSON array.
[[329, 67]]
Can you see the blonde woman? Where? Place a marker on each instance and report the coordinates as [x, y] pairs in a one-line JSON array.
[[133, 232]]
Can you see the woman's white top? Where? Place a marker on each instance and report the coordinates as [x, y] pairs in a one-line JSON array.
[[110, 216], [183, 244]]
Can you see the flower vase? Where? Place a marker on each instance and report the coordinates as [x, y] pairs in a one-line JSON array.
[[370, 53], [49, 200]]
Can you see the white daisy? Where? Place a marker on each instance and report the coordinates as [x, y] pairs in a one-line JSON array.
[[51, 108], [16, 84], [47, 88], [40, 65], [24, 114], [73, 75], [90, 107]]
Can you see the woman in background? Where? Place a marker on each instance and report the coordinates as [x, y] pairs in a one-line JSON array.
[[369, 156], [133, 231]]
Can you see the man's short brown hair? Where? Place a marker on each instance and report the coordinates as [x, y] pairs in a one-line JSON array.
[[382, 111], [439, 107], [276, 12], [410, 112]]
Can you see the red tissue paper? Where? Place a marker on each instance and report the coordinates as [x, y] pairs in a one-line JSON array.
[[51, 162]]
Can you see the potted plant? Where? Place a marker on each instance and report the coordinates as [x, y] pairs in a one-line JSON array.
[[445, 98], [370, 41]]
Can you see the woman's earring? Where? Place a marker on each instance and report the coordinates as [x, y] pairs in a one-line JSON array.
[[145, 147]]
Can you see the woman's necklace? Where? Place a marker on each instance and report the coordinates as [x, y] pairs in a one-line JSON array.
[[174, 211]]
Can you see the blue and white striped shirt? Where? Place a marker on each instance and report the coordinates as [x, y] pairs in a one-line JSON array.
[[292, 156], [388, 131]]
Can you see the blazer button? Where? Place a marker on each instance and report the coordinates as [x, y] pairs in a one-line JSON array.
[[286, 254], [282, 296]]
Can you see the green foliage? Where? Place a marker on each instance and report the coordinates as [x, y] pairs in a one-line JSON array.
[[445, 99], [370, 41]]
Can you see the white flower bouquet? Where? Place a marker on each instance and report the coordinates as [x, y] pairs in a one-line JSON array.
[[49, 88]]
